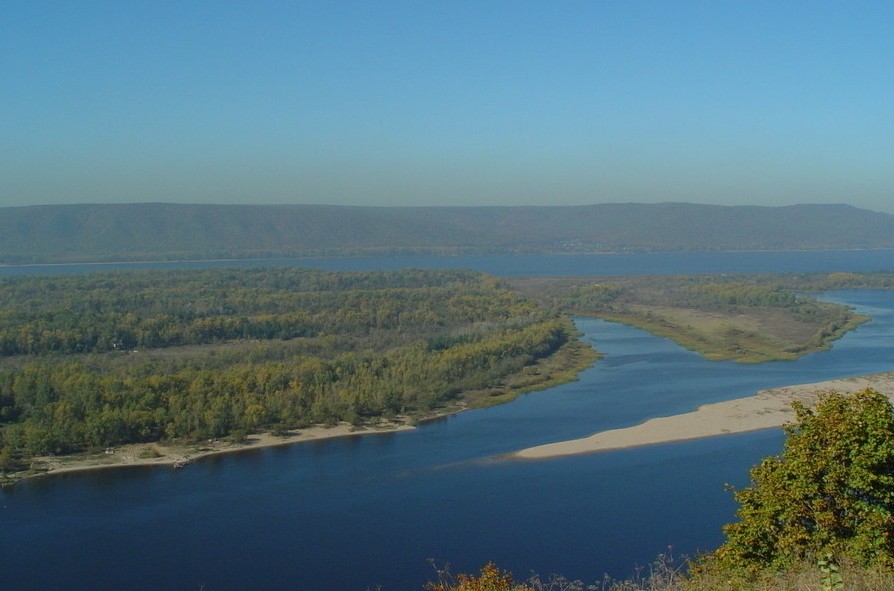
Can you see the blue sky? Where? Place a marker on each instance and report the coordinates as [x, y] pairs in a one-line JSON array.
[[447, 103]]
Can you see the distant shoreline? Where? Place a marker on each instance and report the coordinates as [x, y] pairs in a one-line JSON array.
[[155, 262], [766, 409], [424, 253]]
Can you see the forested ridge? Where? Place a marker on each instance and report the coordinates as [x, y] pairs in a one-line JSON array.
[[97, 360], [167, 231]]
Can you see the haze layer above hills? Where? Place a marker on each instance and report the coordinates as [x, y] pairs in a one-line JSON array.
[[66, 233]]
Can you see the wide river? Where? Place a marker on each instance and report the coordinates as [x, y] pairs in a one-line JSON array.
[[354, 514]]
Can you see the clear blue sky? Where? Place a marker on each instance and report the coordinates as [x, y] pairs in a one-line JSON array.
[[447, 103]]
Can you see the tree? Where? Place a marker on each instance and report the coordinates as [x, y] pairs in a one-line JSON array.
[[7, 461], [831, 491]]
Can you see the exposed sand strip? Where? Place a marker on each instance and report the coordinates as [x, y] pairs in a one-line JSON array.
[[159, 454], [766, 409]]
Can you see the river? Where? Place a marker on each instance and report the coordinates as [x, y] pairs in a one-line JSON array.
[[356, 513]]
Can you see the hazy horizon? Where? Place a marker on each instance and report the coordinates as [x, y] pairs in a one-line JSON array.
[[484, 103], [400, 205]]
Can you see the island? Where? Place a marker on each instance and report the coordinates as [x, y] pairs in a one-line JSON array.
[[163, 367]]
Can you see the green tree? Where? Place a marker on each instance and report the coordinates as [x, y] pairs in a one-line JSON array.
[[7, 461], [831, 491]]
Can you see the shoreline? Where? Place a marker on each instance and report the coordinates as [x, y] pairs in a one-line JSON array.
[[179, 455], [766, 409], [615, 251]]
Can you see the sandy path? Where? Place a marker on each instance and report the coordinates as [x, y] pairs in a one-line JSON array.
[[766, 409]]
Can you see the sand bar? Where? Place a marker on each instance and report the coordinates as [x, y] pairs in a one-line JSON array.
[[765, 410]]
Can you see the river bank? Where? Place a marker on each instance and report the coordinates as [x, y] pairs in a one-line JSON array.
[[180, 455], [562, 367], [766, 409]]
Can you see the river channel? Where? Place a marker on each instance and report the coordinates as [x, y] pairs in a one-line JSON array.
[[370, 511]]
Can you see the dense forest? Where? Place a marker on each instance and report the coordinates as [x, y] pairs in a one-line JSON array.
[[96, 360]]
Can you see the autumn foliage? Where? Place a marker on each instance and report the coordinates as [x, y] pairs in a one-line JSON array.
[[491, 578]]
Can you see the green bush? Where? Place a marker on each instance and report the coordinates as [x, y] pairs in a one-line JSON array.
[[830, 492]]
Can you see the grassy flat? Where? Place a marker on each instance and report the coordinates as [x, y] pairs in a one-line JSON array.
[[753, 336], [747, 319]]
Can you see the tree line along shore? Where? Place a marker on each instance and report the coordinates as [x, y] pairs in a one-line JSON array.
[[90, 362], [102, 360]]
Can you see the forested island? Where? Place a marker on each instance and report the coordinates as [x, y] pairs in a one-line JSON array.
[[93, 361], [98, 360]]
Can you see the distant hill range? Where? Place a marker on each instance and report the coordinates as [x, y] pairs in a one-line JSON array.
[[164, 231]]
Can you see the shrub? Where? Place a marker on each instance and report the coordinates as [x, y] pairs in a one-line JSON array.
[[491, 578], [831, 491]]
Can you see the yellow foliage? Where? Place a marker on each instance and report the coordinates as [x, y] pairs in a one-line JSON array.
[[491, 578]]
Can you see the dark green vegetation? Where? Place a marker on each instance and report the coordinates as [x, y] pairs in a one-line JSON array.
[[820, 516], [826, 500], [66, 233], [96, 360], [831, 491], [745, 318]]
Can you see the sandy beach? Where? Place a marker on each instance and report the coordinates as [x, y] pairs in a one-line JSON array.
[[178, 456], [765, 410]]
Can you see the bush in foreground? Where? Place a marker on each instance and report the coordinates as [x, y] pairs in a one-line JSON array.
[[666, 574], [830, 492]]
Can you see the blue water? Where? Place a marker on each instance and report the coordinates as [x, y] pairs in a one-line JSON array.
[[355, 513]]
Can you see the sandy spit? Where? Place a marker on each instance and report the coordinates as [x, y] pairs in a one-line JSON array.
[[764, 410]]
